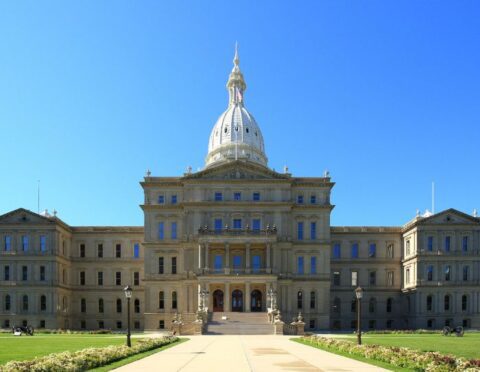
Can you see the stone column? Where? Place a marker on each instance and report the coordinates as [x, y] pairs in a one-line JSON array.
[[268, 265], [226, 298], [247, 258], [227, 258], [247, 297]]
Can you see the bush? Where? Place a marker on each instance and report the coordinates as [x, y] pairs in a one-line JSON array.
[[398, 356], [85, 359]]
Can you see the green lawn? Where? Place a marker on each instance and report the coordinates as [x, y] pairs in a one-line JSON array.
[[28, 347], [467, 346]]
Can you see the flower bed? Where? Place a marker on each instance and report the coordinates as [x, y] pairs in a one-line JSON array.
[[397, 356], [86, 359]]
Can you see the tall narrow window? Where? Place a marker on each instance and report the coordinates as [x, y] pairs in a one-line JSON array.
[[6, 273], [372, 277], [7, 303], [407, 248], [136, 278], [313, 230], [313, 265], [174, 230], [43, 243], [118, 278], [100, 250], [119, 305], [237, 223], [25, 242], [465, 272], [43, 303], [465, 244], [300, 265], [390, 278], [355, 250], [161, 265], [299, 300], [24, 273], [337, 305], [429, 303], [118, 250], [174, 199], [389, 305], [82, 277], [430, 244], [447, 243], [337, 253], [256, 196], [430, 273], [101, 305], [446, 303], [161, 300], [312, 300], [447, 273], [336, 278], [83, 305], [161, 199], [313, 199], [237, 262], [218, 262], [82, 250], [100, 278], [25, 303], [372, 305], [407, 276], [161, 230], [218, 225], [174, 265], [300, 199], [464, 303], [136, 306], [237, 196], [8, 243], [390, 252], [372, 250], [174, 299], [300, 230], [354, 280], [136, 250], [256, 263], [256, 224]]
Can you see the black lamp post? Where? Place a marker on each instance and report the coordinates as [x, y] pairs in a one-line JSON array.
[[128, 295], [359, 295]]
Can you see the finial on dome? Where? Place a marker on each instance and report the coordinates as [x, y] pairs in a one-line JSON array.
[[236, 84], [236, 60]]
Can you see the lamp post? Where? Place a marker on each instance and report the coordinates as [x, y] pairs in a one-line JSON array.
[[128, 295], [359, 295]]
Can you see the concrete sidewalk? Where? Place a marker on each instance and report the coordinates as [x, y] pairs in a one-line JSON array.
[[245, 353]]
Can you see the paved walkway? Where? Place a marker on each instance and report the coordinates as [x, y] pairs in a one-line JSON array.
[[245, 353]]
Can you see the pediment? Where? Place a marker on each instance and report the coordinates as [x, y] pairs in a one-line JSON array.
[[238, 170], [24, 216], [450, 217]]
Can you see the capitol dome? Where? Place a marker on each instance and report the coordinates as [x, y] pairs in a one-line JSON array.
[[236, 135]]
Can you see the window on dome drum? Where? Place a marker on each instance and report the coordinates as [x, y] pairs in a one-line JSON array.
[[136, 306], [25, 242], [355, 250], [119, 305], [136, 250], [237, 223], [218, 225], [83, 305], [218, 196], [390, 278], [464, 303], [43, 243], [313, 265], [82, 277], [389, 305], [430, 243], [446, 303], [447, 273], [161, 265], [8, 243], [465, 275], [313, 230], [136, 278], [430, 273], [256, 263], [429, 303], [6, 273], [354, 278], [161, 300], [161, 199], [465, 243], [174, 199], [101, 305], [300, 230], [372, 278], [118, 250], [313, 199], [256, 224], [218, 262], [300, 265], [237, 196], [390, 252], [300, 199], [174, 230], [447, 243], [337, 253], [256, 196], [100, 278], [100, 250], [118, 278], [372, 250], [174, 265], [336, 278], [299, 300], [82, 250], [312, 300], [161, 230], [174, 300], [24, 273]]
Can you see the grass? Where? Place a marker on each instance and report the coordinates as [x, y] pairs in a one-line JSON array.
[[133, 358], [467, 346], [29, 347]]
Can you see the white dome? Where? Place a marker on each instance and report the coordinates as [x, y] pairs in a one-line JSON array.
[[236, 134]]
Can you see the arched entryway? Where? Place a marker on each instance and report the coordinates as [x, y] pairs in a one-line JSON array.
[[237, 300], [218, 300], [256, 300]]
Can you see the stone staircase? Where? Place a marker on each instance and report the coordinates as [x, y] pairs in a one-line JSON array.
[[239, 324]]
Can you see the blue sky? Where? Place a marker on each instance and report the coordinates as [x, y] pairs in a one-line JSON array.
[[384, 94]]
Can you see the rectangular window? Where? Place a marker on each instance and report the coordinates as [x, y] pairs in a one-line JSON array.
[[43, 243], [174, 199], [447, 273], [82, 250], [8, 243], [218, 196], [447, 243], [372, 250], [336, 278], [407, 276], [355, 250], [83, 307], [237, 196], [161, 324], [337, 253], [161, 265], [237, 223], [101, 324], [25, 243], [256, 224], [237, 262], [100, 250], [118, 250], [136, 250], [161, 300], [42, 273], [161, 199], [119, 324], [300, 230], [136, 278], [390, 278], [218, 262], [24, 273], [100, 278], [256, 196], [313, 199], [300, 199], [354, 278], [407, 248], [313, 230], [372, 278], [161, 230], [465, 273], [430, 244], [218, 225], [256, 263], [390, 251], [300, 265], [430, 273], [118, 278], [82, 277], [313, 265], [465, 243], [6, 273], [174, 230], [174, 265]]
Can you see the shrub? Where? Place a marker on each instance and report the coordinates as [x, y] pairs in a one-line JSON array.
[[85, 359]]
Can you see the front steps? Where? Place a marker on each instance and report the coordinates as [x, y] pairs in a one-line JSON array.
[[239, 324]]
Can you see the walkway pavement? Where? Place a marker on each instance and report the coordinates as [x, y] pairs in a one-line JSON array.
[[245, 353]]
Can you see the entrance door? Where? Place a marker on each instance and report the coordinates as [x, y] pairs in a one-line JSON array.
[[237, 300], [217, 300], [256, 302]]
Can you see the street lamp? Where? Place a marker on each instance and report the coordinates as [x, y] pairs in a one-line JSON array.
[[128, 294], [359, 295]]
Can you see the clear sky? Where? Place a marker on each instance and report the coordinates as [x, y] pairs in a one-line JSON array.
[[383, 94]]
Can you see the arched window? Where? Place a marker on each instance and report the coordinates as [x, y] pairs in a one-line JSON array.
[[119, 305], [83, 305], [7, 303], [136, 306], [446, 303], [372, 304], [429, 303], [389, 305], [312, 300], [336, 305], [43, 303], [25, 303], [299, 300], [464, 303], [161, 300], [174, 299], [101, 306]]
